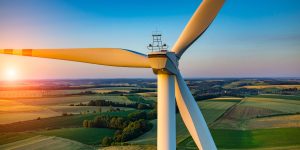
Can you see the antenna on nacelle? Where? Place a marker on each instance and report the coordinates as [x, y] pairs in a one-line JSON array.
[[157, 44]]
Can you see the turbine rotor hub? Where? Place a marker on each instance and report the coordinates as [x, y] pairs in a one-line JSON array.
[[163, 62]]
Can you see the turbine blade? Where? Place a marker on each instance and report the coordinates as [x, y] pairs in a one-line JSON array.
[[197, 25], [192, 116], [101, 56]]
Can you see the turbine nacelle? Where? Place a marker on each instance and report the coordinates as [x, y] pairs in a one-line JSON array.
[[163, 62]]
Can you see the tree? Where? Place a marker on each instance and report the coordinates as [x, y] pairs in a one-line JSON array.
[[137, 115], [106, 141], [99, 109], [118, 136], [64, 114], [152, 115], [85, 123], [112, 123], [91, 124], [141, 106], [91, 103]]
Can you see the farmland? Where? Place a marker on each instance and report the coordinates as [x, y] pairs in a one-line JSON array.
[[55, 122], [12, 111], [72, 99], [271, 86], [238, 139], [253, 109], [237, 118], [89, 136], [211, 109], [44, 142]]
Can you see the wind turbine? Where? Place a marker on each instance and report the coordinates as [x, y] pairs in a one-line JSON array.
[[170, 83]]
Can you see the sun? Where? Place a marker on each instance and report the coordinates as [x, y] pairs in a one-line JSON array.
[[11, 74]]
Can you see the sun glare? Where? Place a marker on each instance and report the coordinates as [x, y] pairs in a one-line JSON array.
[[11, 74]]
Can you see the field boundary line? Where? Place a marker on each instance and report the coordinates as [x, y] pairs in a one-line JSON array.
[[226, 112]]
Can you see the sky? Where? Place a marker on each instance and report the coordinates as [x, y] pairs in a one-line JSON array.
[[249, 38]]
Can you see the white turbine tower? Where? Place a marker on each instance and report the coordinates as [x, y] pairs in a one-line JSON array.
[[170, 83]]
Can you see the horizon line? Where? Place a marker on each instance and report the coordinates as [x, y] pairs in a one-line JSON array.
[[188, 78]]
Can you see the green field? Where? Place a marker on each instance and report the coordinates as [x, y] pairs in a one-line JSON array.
[[131, 147], [90, 136], [213, 109], [46, 143], [262, 138], [14, 136], [287, 106], [139, 99]]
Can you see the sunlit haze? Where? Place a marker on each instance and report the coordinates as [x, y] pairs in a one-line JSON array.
[[249, 38], [10, 74]]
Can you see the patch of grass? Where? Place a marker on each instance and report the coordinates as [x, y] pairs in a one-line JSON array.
[[213, 109], [151, 136], [131, 147], [90, 136], [46, 143], [261, 138], [12, 137], [138, 99]]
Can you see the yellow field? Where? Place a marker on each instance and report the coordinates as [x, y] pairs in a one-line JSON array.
[[227, 98], [148, 94], [103, 91], [12, 111], [13, 106], [21, 109], [274, 122], [36, 93], [72, 100], [271, 86], [47, 93]]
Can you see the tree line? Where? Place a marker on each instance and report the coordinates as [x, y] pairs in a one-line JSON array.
[[116, 104], [136, 124]]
